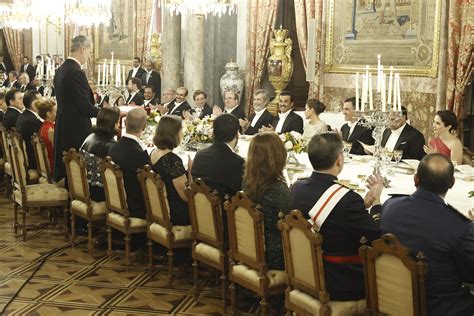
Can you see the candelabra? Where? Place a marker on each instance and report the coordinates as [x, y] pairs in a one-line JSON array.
[[112, 91], [48, 86]]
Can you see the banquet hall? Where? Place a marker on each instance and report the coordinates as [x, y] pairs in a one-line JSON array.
[[236, 157]]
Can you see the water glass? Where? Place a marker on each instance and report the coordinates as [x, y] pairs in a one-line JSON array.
[[397, 155]]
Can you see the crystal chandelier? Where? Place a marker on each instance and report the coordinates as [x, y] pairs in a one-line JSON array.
[[214, 7], [87, 12], [18, 15]]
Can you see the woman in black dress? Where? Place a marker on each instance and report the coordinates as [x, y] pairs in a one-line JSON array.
[[169, 166]]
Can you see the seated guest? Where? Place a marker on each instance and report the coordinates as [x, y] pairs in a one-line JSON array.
[[352, 131], [149, 97], [445, 141], [267, 187], [218, 165], [24, 81], [135, 96], [47, 111], [315, 125], [201, 109], [96, 146], [137, 71], [343, 221], [402, 136], [151, 77], [231, 105], [36, 83], [14, 101], [287, 120], [179, 105], [169, 166], [261, 117], [3, 106], [130, 154], [28, 123], [424, 222], [12, 81]]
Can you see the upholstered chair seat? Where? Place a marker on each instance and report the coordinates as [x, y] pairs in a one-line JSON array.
[[120, 220], [159, 233], [41, 193], [98, 208], [208, 252], [312, 305], [7, 168], [33, 175], [243, 272]]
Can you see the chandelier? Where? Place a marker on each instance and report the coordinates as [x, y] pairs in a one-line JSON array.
[[188, 7], [18, 15], [87, 12]]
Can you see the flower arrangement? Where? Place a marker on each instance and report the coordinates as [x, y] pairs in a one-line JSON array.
[[198, 131], [154, 117], [149, 132], [294, 141]]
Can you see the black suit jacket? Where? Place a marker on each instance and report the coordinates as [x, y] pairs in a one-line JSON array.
[[152, 102], [27, 87], [423, 222], [128, 154], [180, 109], [293, 122], [154, 80], [220, 168], [265, 120], [238, 112], [27, 124], [137, 99], [30, 70], [206, 111], [75, 109], [138, 75], [359, 133], [342, 231], [16, 84], [411, 141], [10, 118]]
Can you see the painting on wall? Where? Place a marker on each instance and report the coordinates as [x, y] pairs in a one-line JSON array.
[[404, 32], [118, 35]]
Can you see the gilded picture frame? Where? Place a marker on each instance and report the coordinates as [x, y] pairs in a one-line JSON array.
[[118, 35], [404, 32]]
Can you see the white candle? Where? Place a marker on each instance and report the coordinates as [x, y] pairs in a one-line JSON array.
[[390, 83], [112, 64], [357, 91], [123, 76], [98, 75], [399, 100], [367, 83], [371, 100], [104, 71], [378, 72], [383, 96], [395, 103], [364, 93], [119, 76], [106, 77]]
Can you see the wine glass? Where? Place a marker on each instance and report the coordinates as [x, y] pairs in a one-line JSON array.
[[397, 155], [386, 155], [347, 148]]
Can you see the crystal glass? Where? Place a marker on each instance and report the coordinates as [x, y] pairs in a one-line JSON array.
[[386, 155], [347, 148], [397, 155]]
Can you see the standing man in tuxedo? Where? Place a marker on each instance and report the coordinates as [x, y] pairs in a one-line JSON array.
[[137, 71], [287, 120], [179, 105], [75, 103], [352, 132], [261, 117], [12, 81], [14, 101], [151, 77], [135, 96], [26, 67], [403, 136]]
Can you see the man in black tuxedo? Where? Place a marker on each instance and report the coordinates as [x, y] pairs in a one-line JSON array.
[[75, 104], [135, 96], [29, 123], [39, 62], [231, 105], [261, 117], [130, 154], [12, 81], [14, 101], [25, 83], [149, 96], [341, 218], [151, 77], [403, 136], [26, 67], [218, 165], [3, 67], [352, 131], [201, 109], [137, 71], [287, 120], [179, 105]]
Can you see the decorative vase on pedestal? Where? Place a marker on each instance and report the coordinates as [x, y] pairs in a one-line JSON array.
[[280, 64], [231, 80], [155, 50]]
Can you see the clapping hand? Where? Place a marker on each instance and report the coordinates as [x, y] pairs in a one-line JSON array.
[[216, 110], [163, 109], [375, 185], [429, 149], [187, 115], [244, 123], [268, 128]]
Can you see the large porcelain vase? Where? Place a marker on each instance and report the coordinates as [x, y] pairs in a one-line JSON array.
[[231, 80]]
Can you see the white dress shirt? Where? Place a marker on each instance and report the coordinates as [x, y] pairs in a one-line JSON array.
[[176, 104], [134, 71], [148, 75], [281, 121], [351, 125], [393, 138], [257, 116], [130, 98], [230, 111]]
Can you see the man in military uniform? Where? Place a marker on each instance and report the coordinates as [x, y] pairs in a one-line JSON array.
[[424, 222], [340, 215]]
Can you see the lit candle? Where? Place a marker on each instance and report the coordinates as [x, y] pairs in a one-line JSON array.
[[371, 100], [390, 83], [367, 83], [364, 93], [98, 75], [399, 100], [383, 96], [104, 71], [357, 91], [395, 105], [112, 64], [378, 72], [123, 76]]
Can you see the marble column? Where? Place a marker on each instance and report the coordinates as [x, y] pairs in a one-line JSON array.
[[443, 47], [171, 51], [194, 54]]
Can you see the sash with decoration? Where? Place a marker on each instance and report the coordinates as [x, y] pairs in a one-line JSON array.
[[326, 204]]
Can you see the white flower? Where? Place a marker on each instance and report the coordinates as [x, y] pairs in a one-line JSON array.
[[288, 145], [295, 134], [157, 118]]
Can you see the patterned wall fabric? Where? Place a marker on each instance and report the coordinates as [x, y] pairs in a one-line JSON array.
[[14, 40]]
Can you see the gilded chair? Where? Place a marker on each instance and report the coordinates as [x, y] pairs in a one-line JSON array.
[[394, 281], [209, 248], [81, 203], [7, 166], [117, 214], [247, 265], [32, 175], [160, 227], [42, 160], [28, 196]]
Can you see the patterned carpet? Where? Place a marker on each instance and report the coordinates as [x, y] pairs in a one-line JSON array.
[[69, 282]]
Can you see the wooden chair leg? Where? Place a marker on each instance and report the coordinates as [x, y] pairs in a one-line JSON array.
[[66, 232], [90, 245], [233, 307], [15, 218], [263, 306], [170, 267], [150, 256], [25, 210], [73, 230], [109, 241], [127, 249], [196, 279], [224, 290]]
